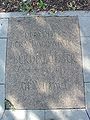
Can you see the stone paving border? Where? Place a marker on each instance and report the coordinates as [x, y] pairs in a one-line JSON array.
[[3, 39], [62, 114]]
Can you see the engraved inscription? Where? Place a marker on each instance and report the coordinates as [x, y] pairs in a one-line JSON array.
[[43, 64], [44, 59], [45, 86]]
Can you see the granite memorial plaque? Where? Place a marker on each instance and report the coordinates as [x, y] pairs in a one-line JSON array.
[[44, 63]]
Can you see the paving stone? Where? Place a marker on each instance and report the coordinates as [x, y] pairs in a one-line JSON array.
[[66, 115], [86, 68], [86, 45], [43, 67], [35, 115], [23, 115], [3, 27], [87, 96], [2, 98], [84, 26], [45, 13], [14, 115], [2, 60], [86, 57], [86, 76]]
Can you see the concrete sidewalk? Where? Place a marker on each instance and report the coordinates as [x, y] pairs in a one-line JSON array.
[[72, 111]]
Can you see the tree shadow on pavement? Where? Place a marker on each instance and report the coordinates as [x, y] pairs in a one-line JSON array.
[[49, 49]]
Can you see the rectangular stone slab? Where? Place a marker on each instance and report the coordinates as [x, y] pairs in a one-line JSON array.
[[44, 63]]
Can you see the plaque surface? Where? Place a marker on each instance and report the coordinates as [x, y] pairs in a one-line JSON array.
[[44, 63]]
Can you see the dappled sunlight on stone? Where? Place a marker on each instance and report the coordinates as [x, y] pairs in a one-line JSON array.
[[19, 114], [68, 100], [28, 47], [59, 39], [86, 64], [51, 63], [72, 46], [79, 98], [1, 111], [14, 101], [66, 114], [20, 28], [40, 21], [51, 60], [43, 87], [61, 115], [15, 51], [14, 115], [52, 103], [33, 116], [2, 65]]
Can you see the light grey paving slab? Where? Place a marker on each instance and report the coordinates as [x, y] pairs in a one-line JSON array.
[[13, 14], [66, 115], [86, 61], [86, 75], [2, 98], [74, 13], [35, 115], [44, 68], [87, 97], [86, 57], [84, 26], [23, 115], [45, 13], [85, 45], [14, 115], [3, 27], [2, 59]]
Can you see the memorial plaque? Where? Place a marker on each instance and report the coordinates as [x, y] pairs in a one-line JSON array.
[[44, 63]]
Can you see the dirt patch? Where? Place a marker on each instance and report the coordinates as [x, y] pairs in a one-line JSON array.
[[40, 5]]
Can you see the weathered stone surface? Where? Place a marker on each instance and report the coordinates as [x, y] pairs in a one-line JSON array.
[[44, 67]]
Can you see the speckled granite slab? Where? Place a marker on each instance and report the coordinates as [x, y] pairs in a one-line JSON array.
[[43, 65]]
